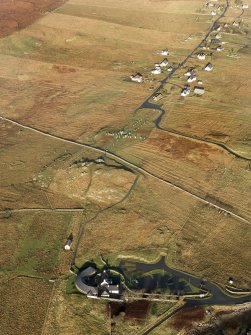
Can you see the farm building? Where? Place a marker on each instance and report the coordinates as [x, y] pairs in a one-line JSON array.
[[185, 91], [95, 283], [190, 72], [201, 56], [245, 6], [164, 63], [68, 242], [200, 82], [199, 90], [220, 48], [209, 67], [164, 52], [138, 78], [157, 70], [191, 78], [157, 96], [236, 24]]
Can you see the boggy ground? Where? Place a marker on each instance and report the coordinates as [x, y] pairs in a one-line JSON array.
[[207, 321]]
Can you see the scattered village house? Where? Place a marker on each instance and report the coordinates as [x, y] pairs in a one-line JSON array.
[[199, 90], [157, 96], [95, 283], [209, 67], [68, 242], [190, 72], [164, 52], [245, 6], [219, 48], [138, 78], [185, 91], [157, 70], [164, 63], [191, 78], [201, 56], [213, 13], [170, 69]]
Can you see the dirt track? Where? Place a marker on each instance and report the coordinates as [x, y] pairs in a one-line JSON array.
[[18, 14], [126, 163]]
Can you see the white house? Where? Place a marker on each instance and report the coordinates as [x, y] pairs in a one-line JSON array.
[[245, 6], [191, 78], [213, 13], [199, 90], [218, 35], [170, 69], [164, 52], [157, 70], [200, 82], [164, 63], [220, 48], [209, 67], [185, 91], [68, 242], [138, 78], [236, 24], [201, 56]]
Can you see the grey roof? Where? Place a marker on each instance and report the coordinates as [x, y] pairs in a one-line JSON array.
[[81, 281]]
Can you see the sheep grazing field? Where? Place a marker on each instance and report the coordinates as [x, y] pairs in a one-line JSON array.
[[103, 138]]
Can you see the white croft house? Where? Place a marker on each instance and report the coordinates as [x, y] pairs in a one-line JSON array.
[[209, 67], [157, 70], [138, 78]]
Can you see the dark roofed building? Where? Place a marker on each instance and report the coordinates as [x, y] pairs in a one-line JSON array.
[[95, 283]]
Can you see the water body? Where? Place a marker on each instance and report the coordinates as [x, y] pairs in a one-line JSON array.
[[174, 277]]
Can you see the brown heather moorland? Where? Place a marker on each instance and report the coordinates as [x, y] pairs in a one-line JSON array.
[[91, 164]]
